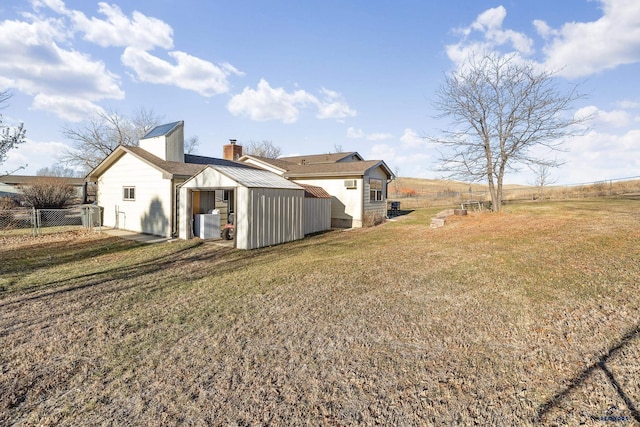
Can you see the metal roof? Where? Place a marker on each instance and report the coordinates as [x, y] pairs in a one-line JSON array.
[[161, 130], [256, 178], [213, 161]]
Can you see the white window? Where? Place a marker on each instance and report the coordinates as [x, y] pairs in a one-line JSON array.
[[128, 193], [375, 190]]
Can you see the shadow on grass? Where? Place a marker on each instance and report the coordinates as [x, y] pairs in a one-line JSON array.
[[601, 364], [48, 254], [166, 262], [399, 212]]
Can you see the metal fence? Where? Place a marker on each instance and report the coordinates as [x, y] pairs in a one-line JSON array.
[[35, 220], [455, 195]]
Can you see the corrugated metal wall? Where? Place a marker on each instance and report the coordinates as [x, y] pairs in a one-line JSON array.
[[268, 216], [317, 215]]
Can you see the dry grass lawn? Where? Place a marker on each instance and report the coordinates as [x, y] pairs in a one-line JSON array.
[[531, 316]]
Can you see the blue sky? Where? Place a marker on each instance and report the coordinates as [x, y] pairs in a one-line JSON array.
[[312, 75]]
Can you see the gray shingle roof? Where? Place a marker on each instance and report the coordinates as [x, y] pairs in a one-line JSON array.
[[320, 158]]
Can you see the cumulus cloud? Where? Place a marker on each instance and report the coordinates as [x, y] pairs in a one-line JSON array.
[[600, 118], [333, 106], [599, 156], [266, 103], [415, 163], [119, 30], [576, 49], [38, 57], [489, 26], [410, 138], [33, 155], [582, 48], [188, 72], [354, 133], [72, 109], [32, 61]]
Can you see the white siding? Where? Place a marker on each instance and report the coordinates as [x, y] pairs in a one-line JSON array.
[[150, 212], [346, 203], [167, 147], [268, 216], [263, 216], [317, 215]]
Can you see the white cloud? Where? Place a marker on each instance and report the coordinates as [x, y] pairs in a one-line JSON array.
[[492, 37], [629, 104], [34, 155], [354, 133], [38, 57], [576, 49], [72, 109], [490, 23], [333, 106], [599, 156], [583, 48], [119, 30], [410, 138], [188, 72], [544, 30], [405, 162], [32, 62], [600, 118], [266, 103]]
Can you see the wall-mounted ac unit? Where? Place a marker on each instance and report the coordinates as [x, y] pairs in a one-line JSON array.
[[351, 183]]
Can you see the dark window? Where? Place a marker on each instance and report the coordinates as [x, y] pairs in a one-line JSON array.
[[375, 190], [128, 193]]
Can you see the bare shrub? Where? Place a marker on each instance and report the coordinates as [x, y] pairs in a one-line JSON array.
[[372, 219], [7, 203], [49, 193]]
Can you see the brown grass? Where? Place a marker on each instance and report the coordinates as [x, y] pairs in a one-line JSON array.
[[527, 316]]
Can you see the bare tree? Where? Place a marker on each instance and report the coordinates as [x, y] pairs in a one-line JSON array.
[[191, 144], [543, 177], [57, 170], [501, 108], [265, 148], [10, 137], [98, 136]]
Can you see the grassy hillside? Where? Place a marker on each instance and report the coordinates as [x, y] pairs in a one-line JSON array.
[[504, 319]]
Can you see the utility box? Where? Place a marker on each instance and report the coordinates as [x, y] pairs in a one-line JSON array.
[[91, 215], [207, 226]]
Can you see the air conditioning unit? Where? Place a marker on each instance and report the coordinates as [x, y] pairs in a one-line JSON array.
[[351, 183]]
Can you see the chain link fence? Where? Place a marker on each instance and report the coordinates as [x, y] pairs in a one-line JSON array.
[[36, 220]]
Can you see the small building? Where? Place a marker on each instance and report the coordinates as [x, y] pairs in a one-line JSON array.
[[268, 209]]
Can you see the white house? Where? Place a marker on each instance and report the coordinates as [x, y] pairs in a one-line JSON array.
[[358, 187], [157, 189]]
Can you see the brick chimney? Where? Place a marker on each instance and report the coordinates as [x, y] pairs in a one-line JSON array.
[[232, 151]]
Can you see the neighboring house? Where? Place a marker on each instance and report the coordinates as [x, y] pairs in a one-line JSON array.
[[10, 185], [358, 187], [157, 189]]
